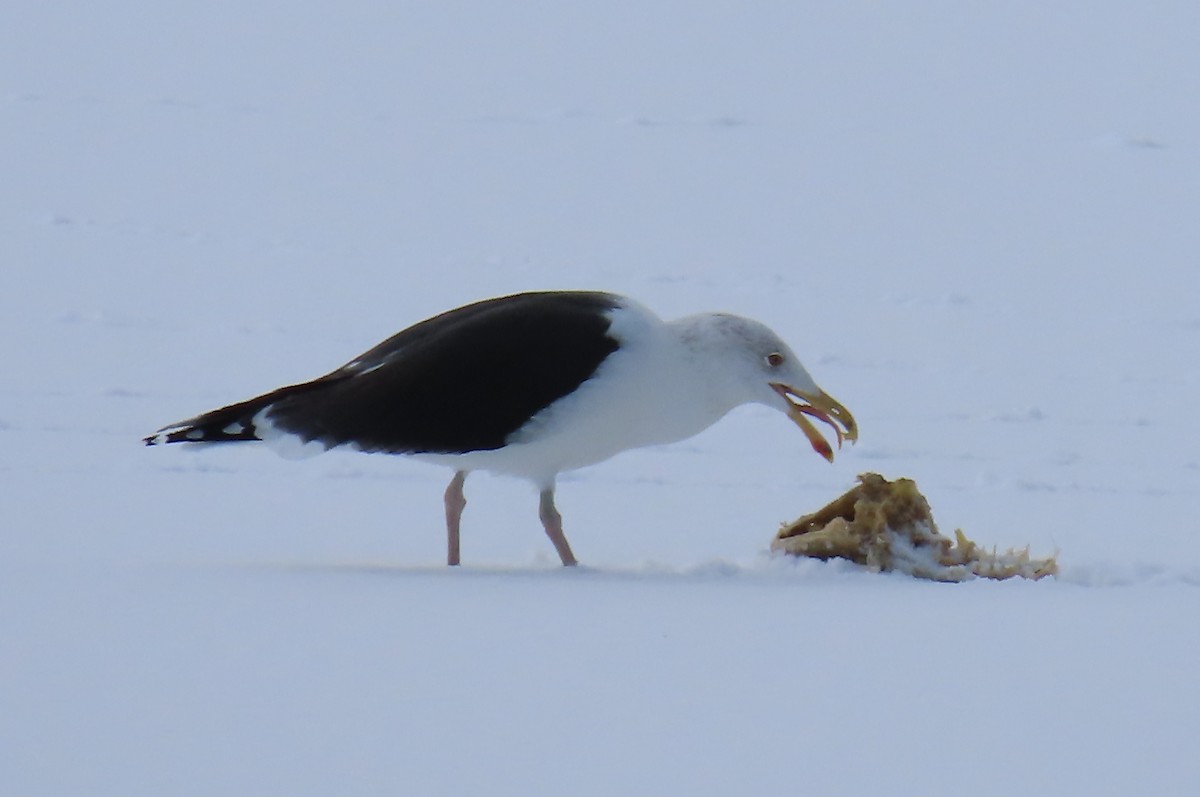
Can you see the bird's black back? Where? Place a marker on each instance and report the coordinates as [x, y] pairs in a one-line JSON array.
[[462, 381]]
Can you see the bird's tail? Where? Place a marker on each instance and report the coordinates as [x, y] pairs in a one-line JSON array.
[[232, 424]]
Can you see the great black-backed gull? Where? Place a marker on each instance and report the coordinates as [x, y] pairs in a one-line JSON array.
[[531, 385]]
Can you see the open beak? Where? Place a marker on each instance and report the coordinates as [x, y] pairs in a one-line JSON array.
[[823, 407]]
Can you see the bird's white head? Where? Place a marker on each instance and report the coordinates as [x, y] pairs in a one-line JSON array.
[[745, 362]]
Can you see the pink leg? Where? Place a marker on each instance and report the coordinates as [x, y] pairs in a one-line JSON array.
[[455, 502], [552, 522]]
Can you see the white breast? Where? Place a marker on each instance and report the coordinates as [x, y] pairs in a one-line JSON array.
[[648, 392]]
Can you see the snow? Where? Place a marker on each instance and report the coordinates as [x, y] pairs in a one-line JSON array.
[[975, 225]]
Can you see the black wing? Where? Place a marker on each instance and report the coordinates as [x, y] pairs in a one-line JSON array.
[[461, 381]]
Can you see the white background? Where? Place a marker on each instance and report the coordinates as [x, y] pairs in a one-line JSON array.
[[976, 223]]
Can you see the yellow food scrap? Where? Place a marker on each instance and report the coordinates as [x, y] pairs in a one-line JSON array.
[[887, 526]]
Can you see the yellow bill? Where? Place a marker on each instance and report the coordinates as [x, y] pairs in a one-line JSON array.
[[825, 408]]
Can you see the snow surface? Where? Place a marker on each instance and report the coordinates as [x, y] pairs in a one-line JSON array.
[[976, 224]]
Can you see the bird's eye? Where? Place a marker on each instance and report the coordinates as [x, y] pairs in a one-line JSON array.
[[774, 359]]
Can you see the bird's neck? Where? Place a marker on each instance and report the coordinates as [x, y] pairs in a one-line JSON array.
[[702, 351]]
